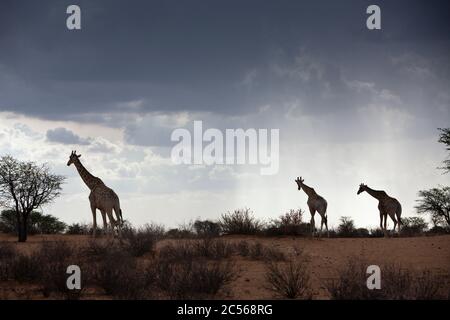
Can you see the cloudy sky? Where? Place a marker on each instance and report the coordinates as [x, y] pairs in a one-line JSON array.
[[352, 105]]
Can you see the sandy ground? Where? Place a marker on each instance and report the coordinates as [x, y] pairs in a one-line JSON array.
[[325, 256]]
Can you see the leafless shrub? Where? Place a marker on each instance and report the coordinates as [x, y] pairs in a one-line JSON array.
[[257, 251], [243, 248], [139, 241], [240, 222], [291, 223], [288, 280], [23, 268], [203, 248], [190, 279], [7, 251], [53, 258], [116, 272], [396, 284]]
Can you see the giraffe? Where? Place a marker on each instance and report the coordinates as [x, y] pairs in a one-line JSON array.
[[386, 205], [101, 197], [315, 203]]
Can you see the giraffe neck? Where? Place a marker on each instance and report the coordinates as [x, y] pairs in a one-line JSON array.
[[308, 190], [90, 180], [375, 193]]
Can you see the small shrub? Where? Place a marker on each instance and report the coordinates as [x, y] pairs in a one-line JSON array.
[[184, 231], [24, 268], [7, 251], [289, 224], [240, 222], [362, 233], [138, 242], [204, 248], [439, 230], [117, 274], [258, 251], [397, 284], [206, 228], [376, 233], [79, 229], [190, 279], [212, 249], [290, 280], [53, 258], [243, 248]]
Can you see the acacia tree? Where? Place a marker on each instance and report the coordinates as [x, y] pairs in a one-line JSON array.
[[24, 187], [444, 138], [436, 202]]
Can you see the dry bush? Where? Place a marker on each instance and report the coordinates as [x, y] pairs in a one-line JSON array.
[[288, 280], [23, 268], [116, 272], [291, 224], [7, 253], [257, 251], [206, 228], [139, 241], [241, 222], [396, 284], [45, 267], [53, 259], [243, 248], [204, 248], [190, 279], [213, 249]]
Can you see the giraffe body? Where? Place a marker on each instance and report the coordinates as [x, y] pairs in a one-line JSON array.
[[316, 203], [387, 206], [101, 197]]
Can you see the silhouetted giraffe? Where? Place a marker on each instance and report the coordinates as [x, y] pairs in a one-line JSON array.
[[101, 197], [386, 205], [315, 203]]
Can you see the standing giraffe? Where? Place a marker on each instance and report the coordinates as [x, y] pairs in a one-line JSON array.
[[101, 197], [386, 205], [315, 203]]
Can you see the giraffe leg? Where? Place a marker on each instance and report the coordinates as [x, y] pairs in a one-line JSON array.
[[321, 227], [385, 224], [112, 221], [105, 223], [381, 220], [313, 224], [94, 221]]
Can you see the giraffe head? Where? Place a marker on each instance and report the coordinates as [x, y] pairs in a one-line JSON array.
[[362, 188], [73, 157], [299, 181]]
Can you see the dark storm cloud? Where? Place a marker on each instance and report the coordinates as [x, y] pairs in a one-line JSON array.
[[64, 136], [134, 59]]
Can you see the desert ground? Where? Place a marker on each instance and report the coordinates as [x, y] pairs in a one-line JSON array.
[[325, 257]]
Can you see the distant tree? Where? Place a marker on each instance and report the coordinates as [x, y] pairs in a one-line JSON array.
[[444, 138], [38, 223], [413, 226], [436, 202], [346, 227], [25, 187]]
